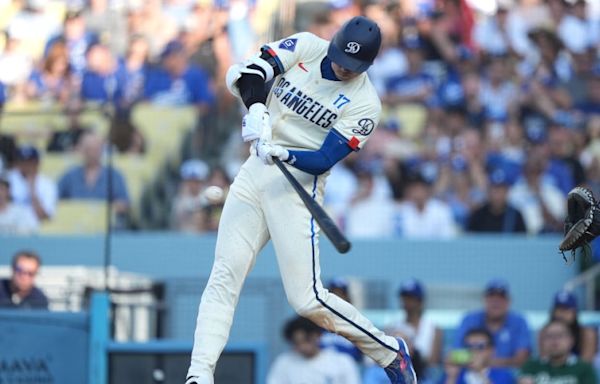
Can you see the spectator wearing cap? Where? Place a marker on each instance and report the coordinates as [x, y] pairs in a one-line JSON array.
[[542, 74], [176, 82], [541, 203], [188, 213], [503, 33], [30, 188], [89, 181], [14, 218], [497, 214], [414, 86], [564, 308], [512, 338], [423, 335], [77, 38], [420, 215], [340, 287]]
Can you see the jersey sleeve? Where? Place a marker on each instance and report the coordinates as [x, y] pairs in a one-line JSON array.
[[290, 50], [358, 123]]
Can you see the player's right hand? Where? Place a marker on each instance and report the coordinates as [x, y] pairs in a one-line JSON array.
[[266, 151], [256, 123]]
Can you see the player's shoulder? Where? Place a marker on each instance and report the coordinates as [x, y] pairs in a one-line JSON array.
[[301, 39]]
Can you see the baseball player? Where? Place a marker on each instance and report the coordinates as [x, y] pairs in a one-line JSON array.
[[320, 108]]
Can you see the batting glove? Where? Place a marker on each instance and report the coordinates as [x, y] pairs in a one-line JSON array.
[[267, 151], [256, 123]]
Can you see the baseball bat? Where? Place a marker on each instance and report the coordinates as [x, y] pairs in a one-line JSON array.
[[340, 242]]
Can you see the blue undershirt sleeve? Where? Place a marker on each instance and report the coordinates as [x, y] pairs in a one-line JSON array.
[[334, 148]]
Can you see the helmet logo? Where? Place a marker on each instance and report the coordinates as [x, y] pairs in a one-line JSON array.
[[352, 47]]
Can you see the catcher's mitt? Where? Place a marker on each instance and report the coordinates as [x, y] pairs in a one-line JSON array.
[[582, 223]]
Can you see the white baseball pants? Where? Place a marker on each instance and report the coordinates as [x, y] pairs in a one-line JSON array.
[[262, 204]]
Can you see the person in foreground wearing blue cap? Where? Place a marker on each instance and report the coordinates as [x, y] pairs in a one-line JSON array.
[[512, 339], [497, 214], [564, 308]]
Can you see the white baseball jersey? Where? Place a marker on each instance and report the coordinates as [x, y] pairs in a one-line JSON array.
[[305, 103], [328, 367], [304, 106]]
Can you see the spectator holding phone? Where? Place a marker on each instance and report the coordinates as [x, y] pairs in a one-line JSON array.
[[472, 364]]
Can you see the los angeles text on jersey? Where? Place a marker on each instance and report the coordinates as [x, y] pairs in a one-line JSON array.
[[304, 105]]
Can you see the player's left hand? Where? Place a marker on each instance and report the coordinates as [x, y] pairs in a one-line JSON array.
[[256, 123], [267, 151]]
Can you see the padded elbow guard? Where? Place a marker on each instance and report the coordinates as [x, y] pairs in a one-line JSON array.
[[254, 66]]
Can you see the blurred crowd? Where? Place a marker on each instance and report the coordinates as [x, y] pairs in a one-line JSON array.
[[491, 108], [494, 344]]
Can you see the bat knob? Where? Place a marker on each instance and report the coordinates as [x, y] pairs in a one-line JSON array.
[[344, 246]]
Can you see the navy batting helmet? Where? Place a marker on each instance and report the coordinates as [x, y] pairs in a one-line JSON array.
[[356, 44]]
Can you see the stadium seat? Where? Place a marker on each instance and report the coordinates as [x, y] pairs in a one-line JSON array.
[[410, 117], [30, 121], [163, 129], [54, 165], [138, 173], [77, 217]]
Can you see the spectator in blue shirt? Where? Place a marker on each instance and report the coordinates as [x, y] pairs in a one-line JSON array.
[[473, 364], [415, 86], [102, 82], [512, 339], [90, 180], [176, 82], [77, 39]]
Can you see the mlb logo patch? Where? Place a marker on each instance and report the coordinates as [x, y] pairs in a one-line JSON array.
[[288, 44]]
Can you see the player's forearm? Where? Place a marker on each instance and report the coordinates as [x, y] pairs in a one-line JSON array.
[[334, 149]]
